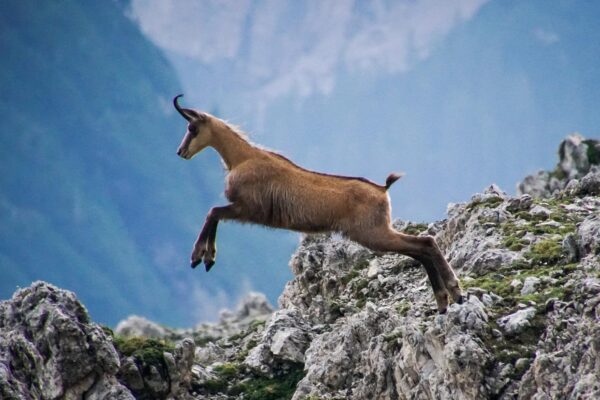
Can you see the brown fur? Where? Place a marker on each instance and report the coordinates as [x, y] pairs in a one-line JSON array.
[[266, 188]]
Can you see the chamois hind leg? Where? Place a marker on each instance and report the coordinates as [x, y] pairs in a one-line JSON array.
[[421, 248], [205, 248], [432, 254]]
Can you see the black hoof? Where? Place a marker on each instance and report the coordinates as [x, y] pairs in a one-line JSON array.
[[194, 264], [441, 312], [461, 299], [208, 265]]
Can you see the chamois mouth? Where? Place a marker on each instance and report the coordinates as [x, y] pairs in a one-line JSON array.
[[183, 153]]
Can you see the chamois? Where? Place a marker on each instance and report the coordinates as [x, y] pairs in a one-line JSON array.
[[265, 188]]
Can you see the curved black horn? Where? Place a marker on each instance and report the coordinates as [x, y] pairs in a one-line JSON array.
[[179, 108]]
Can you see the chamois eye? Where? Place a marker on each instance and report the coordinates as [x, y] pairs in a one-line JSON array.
[[193, 129]]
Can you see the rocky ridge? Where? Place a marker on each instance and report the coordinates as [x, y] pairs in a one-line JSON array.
[[356, 325]]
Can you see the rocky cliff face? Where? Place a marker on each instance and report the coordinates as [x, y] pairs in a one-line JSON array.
[[357, 325]]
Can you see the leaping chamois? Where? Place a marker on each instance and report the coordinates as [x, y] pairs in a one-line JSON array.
[[265, 188]]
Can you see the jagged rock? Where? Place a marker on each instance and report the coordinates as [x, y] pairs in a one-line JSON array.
[[516, 322], [567, 362], [209, 354], [529, 285], [588, 233], [159, 375], [539, 211], [577, 156], [589, 185], [522, 203], [284, 340], [140, 326], [50, 349], [571, 246], [252, 308], [574, 156]]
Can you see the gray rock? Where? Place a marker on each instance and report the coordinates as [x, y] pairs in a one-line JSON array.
[[140, 326], [589, 185], [571, 247], [516, 322], [522, 203], [573, 154], [588, 233], [285, 340], [169, 378], [529, 285], [574, 163], [50, 349], [539, 211]]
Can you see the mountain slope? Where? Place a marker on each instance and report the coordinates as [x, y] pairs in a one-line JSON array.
[[357, 325]]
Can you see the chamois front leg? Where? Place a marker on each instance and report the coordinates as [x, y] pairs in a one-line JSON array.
[[205, 248]]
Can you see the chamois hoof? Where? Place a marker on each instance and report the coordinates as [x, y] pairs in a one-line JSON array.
[[442, 312], [208, 265], [194, 264], [460, 299]]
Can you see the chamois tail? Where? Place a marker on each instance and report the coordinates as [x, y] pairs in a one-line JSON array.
[[393, 177]]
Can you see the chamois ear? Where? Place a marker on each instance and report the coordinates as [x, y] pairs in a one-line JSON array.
[[186, 112]]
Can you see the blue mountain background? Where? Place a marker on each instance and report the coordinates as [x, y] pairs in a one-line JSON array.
[[92, 195]]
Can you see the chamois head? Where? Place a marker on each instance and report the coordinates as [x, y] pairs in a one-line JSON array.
[[198, 135]]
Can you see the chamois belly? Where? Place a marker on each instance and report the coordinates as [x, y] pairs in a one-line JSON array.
[[277, 209]]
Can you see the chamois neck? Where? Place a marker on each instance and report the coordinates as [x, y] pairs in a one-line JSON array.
[[233, 148]]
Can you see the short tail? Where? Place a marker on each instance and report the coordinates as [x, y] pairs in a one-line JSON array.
[[393, 178]]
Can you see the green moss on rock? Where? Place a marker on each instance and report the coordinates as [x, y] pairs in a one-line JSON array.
[[277, 388], [593, 152], [146, 351], [491, 202], [232, 380], [546, 252], [414, 228]]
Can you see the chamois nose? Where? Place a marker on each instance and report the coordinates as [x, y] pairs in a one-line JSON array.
[[179, 151]]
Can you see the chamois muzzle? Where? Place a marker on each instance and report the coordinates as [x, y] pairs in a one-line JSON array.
[[179, 109]]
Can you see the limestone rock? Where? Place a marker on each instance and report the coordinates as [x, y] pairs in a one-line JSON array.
[[50, 349], [529, 285], [577, 157], [140, 326], [284, 340], [516, 322]]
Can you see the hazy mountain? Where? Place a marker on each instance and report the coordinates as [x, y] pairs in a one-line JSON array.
[[92, 195], [455, 94]]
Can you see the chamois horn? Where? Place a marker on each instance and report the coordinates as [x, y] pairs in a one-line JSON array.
[[179, 109]]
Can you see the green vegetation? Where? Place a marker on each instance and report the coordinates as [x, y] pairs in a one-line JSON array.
[[546, 252], [350, 276], [539, 239], [278, 388], [360, 265], [403, 307], [491, 202], [232, 380], [414, 228], [593, 153], [145, 350], [357, 289], [203, 340]]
